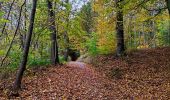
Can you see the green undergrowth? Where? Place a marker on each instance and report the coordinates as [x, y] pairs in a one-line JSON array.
[[12, 63]]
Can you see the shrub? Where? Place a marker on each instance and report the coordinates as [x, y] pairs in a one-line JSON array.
[[91, 44]]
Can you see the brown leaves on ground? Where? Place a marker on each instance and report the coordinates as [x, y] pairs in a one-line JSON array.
[[73, 81], [142, 75]]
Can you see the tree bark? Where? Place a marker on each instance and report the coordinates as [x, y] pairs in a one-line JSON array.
[[17, 83], [66, 37], [119, 29], [66, 52], [168, 5], [52, 27]]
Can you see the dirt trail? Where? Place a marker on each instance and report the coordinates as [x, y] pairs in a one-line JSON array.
[[75, 80], [78, 64]]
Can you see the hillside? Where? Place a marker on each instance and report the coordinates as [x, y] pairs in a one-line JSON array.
[[143, 74]]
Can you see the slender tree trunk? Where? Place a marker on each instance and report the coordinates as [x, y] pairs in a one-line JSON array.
[[130, 32], [17, 83], [52, 27], [0, 5], [168, 5], [66, 37], [120, 29], [22, 42], [7, 18], [25, 25], [135, 34]]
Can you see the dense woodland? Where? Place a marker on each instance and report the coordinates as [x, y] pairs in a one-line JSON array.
[[53, 34]]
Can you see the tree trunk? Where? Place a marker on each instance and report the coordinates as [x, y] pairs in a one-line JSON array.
[[119, 29], [66, 52], [168, 5], [52, 27], [17, 83], [66, 38]]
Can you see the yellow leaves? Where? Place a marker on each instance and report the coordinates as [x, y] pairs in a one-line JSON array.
[[143, 46], [105, 26]]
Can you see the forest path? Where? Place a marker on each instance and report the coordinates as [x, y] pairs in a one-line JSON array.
[[81, 65], [77, 64], [75, 80]]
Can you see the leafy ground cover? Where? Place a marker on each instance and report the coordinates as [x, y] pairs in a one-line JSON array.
[[143, 74]]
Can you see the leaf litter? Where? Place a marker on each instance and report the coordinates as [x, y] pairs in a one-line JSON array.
[[141, 75]]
